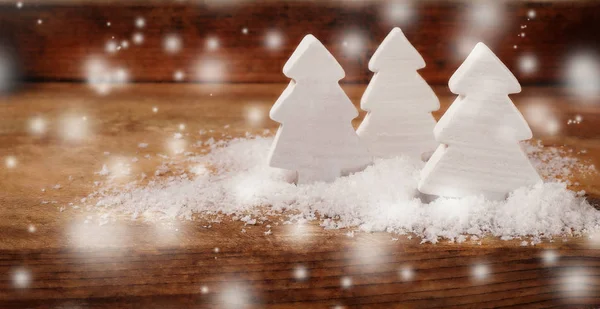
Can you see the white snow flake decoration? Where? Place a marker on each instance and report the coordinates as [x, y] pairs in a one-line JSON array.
[[21, 278], [37, 126], [577, 282], [140, 22], [480, 134], [399, 12], [583, 75], [354, 44], [211, 70], [10, 161], [212, 43], [204, 289], [480, 272], [235, 295], [138, 38], [273, 40], [407, 273], [111, 47], [300, 273], [346, 282], [528, 64], [316, 138], [549, 257], [172, 43], [178, 75], [399, 102]]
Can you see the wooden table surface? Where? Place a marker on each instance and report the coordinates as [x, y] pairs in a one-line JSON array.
[[50, 259]]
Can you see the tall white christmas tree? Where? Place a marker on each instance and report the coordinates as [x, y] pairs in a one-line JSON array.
[[316, 138], [399, 102], [480, 134]]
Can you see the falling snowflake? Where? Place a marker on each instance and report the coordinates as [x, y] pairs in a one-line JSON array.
[[37, 126], [541, 118], [300, 273], [176, 145], [465, 45], [140, 22], [346, 282], [353, 43], [486, 13], [407, 273], [480, 271], [255, 115], [11, 162], [212, 43], [583, 74], [576, 282], [138, 38], [178, 75], [273, 40], [528, 64], [211, 70], [111, 47], [120, 76], [74, 128], [235, 295], [21, 278], [549, 257], [398, 12], [172, 43]]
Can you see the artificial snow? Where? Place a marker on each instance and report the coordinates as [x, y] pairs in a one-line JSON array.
[[234, 179]]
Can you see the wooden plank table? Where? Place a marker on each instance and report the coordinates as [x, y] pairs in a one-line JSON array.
[[48, 259], [443, 31]]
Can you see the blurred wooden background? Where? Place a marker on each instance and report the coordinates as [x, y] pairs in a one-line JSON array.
[[249, 41], [52, 259]]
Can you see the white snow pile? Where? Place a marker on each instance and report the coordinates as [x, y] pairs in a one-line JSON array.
[[234, 179]]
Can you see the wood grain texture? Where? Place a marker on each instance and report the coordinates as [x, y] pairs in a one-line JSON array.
[[443, 31], [136, 264]]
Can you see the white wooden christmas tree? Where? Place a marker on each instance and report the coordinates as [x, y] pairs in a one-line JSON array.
[[480, 134], [399, 102], [316, 138]]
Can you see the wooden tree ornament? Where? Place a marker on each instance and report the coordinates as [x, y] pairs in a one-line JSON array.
[[316, 138], [480, 134], [399, 102]]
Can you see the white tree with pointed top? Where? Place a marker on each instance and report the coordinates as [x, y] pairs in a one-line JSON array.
[[480, 134], [399, 102], [316, 138]]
